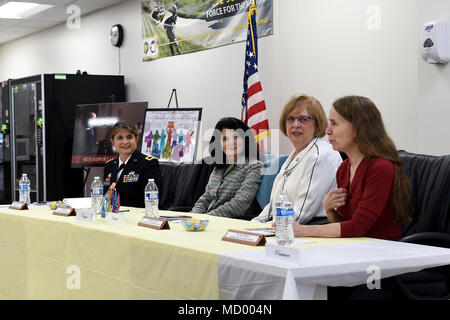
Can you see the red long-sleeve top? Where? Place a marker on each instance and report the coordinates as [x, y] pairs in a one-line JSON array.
[[368, 212]]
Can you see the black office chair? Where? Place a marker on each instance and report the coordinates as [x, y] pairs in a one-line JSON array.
[[430, 224], [183, 184]]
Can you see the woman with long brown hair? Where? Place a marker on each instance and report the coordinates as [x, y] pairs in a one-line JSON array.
[[373, 194]]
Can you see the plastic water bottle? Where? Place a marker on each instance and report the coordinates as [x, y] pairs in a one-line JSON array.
[[284, 231], [24, 189], [151, 199], [96, 196]]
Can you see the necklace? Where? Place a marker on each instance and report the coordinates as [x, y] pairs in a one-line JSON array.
[[287, 172]]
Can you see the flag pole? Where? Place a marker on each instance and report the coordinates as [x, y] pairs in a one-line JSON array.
[[253, 105], [250, 12]]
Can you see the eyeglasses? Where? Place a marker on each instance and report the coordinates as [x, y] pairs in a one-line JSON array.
[[302, 119]]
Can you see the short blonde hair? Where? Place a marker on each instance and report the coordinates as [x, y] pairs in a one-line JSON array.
[[314, 108]]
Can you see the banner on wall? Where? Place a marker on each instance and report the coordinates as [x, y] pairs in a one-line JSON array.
[[171, 27]]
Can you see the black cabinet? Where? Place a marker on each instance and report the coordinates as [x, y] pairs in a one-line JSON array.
[[5, 150], [42, 111]]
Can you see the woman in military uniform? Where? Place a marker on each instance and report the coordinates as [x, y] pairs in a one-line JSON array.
[[129, 173]]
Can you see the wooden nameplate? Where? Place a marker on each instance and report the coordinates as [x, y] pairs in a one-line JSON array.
[[16, 205], [154, 223], [244, 237], [65, 211]]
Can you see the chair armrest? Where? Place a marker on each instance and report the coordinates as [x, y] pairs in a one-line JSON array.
[[180, 208], [247, 217], [436, 239], [318, 221]]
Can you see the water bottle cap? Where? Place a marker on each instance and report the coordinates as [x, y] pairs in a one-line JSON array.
[[150, 180], [96, 177], [24, 174]]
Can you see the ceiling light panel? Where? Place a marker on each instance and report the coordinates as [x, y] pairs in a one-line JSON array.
[[21, 10]]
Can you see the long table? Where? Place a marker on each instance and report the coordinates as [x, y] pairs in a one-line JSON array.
[[45, 256]]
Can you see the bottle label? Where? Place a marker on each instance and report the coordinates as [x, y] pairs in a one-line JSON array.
[[96, 191], [283, 212], [151, 195], [23, 187]]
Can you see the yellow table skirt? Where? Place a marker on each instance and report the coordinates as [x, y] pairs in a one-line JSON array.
[[44, 256]]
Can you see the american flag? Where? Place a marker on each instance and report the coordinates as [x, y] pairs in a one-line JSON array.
[[253, 106]]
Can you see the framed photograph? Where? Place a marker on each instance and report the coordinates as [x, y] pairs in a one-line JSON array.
[[93, 123], [171, 134]]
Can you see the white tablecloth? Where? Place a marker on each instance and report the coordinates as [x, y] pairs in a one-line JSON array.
[[252, 275]]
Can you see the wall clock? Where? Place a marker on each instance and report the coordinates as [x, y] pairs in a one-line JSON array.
[[116, 35]]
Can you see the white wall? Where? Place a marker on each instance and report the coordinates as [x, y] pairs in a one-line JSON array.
[[328, 51], [433, 111], [321, 47]]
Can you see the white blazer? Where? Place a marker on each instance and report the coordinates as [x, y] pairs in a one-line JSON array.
[[307, 178]]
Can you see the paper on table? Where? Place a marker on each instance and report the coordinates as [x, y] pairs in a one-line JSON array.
[[296, 241], [268, 232], [78, 203], [175, 218], [38, 205]]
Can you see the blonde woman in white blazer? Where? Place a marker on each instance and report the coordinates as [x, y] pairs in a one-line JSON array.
[[309, 172]]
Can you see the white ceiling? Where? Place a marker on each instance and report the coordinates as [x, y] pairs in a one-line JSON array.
[[11, 29]]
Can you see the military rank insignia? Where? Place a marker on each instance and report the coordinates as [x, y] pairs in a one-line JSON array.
[[108, 180], [130, 177]]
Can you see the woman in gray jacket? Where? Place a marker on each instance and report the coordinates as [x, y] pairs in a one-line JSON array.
[[235, 180]]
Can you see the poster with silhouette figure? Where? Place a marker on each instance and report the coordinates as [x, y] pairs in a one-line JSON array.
[[171, 134], [174, 27], [93, 123]]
